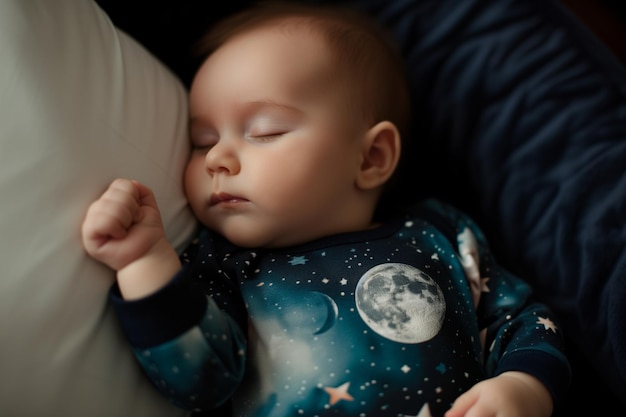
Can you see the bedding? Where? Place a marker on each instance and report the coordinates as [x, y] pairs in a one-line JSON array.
[[80, 103], [519, 119]]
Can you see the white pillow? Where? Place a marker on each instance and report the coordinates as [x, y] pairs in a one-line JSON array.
[[80, 104]]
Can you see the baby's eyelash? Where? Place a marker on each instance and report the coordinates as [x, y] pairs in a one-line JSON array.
[[199, 146], [266, 138], [204, 139]]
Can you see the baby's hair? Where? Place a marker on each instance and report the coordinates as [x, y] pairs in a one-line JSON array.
[[364, 52]]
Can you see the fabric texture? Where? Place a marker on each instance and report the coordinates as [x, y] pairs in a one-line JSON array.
[[394, 320], [80, 104]]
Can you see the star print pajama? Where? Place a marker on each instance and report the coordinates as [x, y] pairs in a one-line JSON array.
[[397, 320]]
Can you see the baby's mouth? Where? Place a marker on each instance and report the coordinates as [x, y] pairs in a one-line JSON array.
[[225, 198]]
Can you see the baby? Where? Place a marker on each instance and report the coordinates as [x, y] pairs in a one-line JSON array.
[[299, 295]]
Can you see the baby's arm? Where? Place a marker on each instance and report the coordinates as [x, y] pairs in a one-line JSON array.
[[524, 347], [123, 229], [163, 317]]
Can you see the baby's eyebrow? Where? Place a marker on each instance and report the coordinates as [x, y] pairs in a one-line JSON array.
[[257, 105]]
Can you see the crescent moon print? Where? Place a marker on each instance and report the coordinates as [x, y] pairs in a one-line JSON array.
[[305, 313], [400, 303], [332, 311]]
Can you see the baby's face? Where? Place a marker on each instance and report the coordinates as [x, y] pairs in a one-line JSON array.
[[276, 144]]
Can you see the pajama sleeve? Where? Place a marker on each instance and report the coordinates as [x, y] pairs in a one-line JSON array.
[[192, 350], [519, 333]]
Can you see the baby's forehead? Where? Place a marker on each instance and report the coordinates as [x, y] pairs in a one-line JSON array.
[[287, 25], [283, 52], [289, 37]]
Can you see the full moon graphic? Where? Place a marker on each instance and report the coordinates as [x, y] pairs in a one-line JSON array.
[[400, 303]]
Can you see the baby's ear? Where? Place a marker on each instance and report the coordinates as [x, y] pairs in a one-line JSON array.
[[381, 153]]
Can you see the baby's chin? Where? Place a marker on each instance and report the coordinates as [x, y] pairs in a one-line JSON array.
[[250, 240], [245, 236]]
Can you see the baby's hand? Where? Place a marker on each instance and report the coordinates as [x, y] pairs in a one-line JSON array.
[[510, 394], [123, 225]]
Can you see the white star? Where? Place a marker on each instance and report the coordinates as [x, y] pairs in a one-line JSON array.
[[547, 324]]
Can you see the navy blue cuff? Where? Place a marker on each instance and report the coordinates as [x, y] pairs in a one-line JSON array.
[[555, 374], [161, 316]]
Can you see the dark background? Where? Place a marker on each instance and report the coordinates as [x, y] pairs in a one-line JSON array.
[[169, 29]]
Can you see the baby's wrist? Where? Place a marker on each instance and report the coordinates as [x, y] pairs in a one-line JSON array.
[[540, 392], [149, 273]]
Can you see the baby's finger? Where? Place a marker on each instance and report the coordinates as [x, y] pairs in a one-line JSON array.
[[121, 201], [113, 213], [145, 195], [110, 219], [462, 404]]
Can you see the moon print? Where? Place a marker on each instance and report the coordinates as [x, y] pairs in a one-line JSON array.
[[307, 313], [400, 302], [331, 313]]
